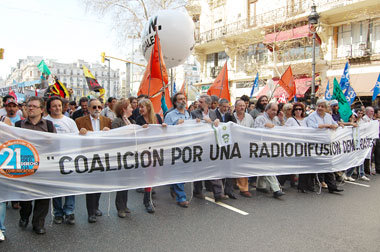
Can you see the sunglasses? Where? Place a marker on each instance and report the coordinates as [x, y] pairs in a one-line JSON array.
[[297, 109], [97, 107]]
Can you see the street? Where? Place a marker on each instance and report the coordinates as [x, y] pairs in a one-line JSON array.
[[349, 221]]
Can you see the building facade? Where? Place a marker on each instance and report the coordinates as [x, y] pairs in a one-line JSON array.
[[69, 73], [267, 36]]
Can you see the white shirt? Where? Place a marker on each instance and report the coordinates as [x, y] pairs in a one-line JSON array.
[[292, 122], [366, 119], [263, 119], [247, 120], [314, 120], [95, 123], [63, 125]]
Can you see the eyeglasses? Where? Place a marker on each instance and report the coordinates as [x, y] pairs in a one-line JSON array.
[[33, 106], [97, 107], [297, 109]]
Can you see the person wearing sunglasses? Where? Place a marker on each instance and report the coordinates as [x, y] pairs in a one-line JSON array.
[[93, 122], [305, 181]]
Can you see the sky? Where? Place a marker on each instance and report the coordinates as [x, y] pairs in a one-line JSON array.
[[54, 29]]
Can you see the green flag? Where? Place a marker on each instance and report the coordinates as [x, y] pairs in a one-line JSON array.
[[44, 68], [344, 108]]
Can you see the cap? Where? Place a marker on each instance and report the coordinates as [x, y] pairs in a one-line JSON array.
[[334, 102], [9, 101]]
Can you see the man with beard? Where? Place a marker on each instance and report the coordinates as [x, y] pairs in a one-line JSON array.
[[93, 122], [175, 117], [260, 106]]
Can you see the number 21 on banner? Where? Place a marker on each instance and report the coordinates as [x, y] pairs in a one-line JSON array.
[[18, 158], [9, 158]]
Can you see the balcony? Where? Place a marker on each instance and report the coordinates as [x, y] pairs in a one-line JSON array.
[[280, 15]]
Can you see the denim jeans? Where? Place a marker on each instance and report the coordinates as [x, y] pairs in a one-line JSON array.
[[68, 207], [179, 190], [3, 208], [350, 171]]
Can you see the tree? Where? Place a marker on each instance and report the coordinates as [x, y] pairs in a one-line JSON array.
[[130, 16]]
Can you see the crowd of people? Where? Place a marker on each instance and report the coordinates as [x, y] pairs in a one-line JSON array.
[[57, 115]]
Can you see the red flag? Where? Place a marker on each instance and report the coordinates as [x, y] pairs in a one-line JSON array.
[[12, 93], [282, 99], [287, 82], [155, 78], [220, 85], [59, 89]]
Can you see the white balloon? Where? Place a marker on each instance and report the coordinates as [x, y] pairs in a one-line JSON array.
[[176, 32]]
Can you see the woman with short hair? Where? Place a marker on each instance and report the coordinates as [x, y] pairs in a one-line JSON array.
[[123, 110]]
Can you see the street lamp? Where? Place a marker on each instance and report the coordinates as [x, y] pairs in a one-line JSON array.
[[313, 20]]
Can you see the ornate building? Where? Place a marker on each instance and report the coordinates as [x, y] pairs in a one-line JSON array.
[[267, 36]]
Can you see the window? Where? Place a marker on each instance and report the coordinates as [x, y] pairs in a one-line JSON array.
[[356, 39], [214, 63], [251, 12]]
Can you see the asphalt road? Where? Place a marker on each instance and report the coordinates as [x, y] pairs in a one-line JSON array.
[[298, 222]]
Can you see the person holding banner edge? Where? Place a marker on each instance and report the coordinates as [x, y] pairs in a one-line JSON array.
[[3, 205]]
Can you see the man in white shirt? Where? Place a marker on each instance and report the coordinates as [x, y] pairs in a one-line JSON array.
[[63, 124], [369, 112], [268, 120], [246, 120], [323, 120]]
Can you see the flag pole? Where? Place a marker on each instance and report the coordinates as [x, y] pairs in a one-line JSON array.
[[159, 60]]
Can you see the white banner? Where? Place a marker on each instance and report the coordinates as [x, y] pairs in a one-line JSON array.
[[37, 165]]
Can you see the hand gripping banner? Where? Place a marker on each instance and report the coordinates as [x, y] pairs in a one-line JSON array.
[[35, 165]]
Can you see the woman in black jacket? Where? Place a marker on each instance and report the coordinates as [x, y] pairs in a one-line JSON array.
[[147, 116], [123, 110]]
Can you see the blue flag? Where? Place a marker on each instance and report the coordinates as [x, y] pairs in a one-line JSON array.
[[255, 84], [376, 89], [350, 95], [327, 92], [345, 79], [174, 89]]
